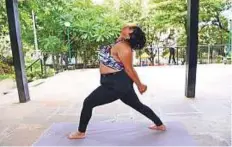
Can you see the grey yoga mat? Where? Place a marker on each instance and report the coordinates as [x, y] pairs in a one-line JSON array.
[[117, 134]]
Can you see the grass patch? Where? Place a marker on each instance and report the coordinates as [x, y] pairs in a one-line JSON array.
[[6, 76]]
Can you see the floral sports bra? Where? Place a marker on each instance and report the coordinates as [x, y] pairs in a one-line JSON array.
[[106, 59]]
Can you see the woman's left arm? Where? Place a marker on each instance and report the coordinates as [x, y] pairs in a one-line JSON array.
[[125, 55]]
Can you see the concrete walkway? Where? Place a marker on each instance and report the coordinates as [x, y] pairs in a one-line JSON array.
[[59, 99], [6, 85]]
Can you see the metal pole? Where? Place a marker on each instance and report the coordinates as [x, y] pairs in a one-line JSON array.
[[230, 41], [16, 47], [177, 56], [41, 66], [158, 56], [69, 49], [208, 54], [192, 47], [35, 36]]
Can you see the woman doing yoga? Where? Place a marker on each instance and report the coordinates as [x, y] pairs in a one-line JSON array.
[[117, 78]]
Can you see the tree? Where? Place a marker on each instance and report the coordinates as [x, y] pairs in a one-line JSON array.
[[174, 13], [3, 18], [135, 11], [212, 25], [93, 25]]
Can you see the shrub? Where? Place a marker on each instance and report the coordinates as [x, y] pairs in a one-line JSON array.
[[36, 73], [50, 72], [5, 68], [219, 59]]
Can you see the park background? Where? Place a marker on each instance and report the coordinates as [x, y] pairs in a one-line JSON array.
[[61, 39], [65, 34]]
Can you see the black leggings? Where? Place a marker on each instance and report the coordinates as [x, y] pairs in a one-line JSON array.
[[113, 87]]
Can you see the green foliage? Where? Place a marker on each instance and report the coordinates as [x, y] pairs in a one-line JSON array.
[[3, 18], [212, 35], [173, 14], [131, 11], [170, 13], [50, 72], [33, 75], [53, 44], [219, 59], [5, 68], [91, 25], [7, 76], [35, 72]]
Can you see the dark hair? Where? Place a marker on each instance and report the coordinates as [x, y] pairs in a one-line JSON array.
[[137, 38]]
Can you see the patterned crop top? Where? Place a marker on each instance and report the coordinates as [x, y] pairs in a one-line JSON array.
[[106, 59]]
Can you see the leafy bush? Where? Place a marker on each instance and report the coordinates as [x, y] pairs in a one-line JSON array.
[[165, 53], [5, 68], [219, 59], [50, 72], [35, 73]]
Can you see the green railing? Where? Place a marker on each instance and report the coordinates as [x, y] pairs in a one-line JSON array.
[[33, 63]]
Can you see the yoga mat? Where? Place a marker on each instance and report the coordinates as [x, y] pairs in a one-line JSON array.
[[117, 134]]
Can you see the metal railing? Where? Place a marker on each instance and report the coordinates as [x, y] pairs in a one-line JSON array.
[[33, 63], [207, 54]]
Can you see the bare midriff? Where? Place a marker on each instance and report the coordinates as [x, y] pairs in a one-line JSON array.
[[105, 70]]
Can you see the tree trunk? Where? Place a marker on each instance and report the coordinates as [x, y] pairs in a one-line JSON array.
[[75, 60], [66, 61], [211, 56], [85, 60], [53, 61], [57, 63], [186, 25], [140, 61], [152, 60], [61, 61], [45, 57]]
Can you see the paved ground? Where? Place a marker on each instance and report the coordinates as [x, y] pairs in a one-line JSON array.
[[6, 85], [59, 99]]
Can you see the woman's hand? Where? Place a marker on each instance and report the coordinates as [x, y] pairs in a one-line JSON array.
[[142, 88]]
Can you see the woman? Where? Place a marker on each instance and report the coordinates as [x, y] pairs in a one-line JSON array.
[[172, 47], [117, 78]]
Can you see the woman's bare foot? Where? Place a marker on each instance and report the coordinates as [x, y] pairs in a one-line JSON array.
[[159, 128], [76, 135]]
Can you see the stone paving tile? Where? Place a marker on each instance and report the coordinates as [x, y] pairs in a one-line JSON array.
[[7, 132], [219, 130], [63, 118], [178, 109], [76, 105], [222, 107], [68, 111], [200, 139], [17, 111], [40, 116], [19, 134]]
